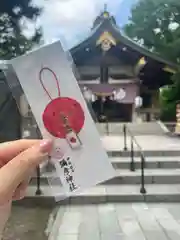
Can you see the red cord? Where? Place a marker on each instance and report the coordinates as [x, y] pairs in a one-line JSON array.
[[55, 77]]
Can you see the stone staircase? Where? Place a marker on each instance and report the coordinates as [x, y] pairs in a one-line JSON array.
[[162, 169], [162, 182], [138, 129]]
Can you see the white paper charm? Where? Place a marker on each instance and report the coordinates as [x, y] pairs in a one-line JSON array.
[[61, 113]]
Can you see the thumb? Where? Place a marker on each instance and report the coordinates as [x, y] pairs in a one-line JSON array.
[[15, 171]]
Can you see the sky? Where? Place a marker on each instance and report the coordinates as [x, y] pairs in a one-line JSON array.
[[71, 20]]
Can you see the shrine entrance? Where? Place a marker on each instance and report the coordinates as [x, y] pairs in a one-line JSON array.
[[112, 110]]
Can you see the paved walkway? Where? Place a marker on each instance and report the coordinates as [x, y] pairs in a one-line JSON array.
[[149, 142], [136, 221], [118, 222]]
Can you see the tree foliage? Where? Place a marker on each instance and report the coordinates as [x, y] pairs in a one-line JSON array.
[[13, 41], [156, 25]]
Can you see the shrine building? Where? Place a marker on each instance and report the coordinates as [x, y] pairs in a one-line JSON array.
[[109, 64]]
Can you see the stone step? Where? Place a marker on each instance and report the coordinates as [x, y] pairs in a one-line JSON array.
[[146, 153], [152, 176], [150, 145], [104, 194], [124, 163], [144, 128], [151, 162], [125, 176]]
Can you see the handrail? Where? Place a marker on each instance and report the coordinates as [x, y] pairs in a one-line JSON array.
[[38, 171], [134, 138], [126, 131]]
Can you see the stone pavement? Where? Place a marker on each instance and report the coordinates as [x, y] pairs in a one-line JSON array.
[[136, 221], [118, 222], [27, 223]]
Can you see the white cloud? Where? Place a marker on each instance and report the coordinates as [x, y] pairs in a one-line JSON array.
[[71, 20], [173, 26], [28, 27]]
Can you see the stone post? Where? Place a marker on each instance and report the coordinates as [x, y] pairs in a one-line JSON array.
[[177, 129]]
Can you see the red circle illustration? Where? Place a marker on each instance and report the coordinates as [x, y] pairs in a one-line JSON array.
[[68, 107]]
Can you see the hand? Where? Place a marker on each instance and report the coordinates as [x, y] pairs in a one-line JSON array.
[[17, 161]]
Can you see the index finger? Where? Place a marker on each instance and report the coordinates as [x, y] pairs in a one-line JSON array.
[[9, 150]]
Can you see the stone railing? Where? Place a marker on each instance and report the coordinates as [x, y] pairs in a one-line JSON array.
[[170, 126]]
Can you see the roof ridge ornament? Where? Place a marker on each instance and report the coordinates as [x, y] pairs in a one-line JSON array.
[[105, 7], [106, 41], [105, 13]]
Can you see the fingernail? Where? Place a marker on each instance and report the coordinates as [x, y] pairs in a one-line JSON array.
[[45, 146]]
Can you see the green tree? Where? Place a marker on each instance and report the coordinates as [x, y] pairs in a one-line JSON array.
[[156, 24], [169, 95], [168, 103], [12, 40]]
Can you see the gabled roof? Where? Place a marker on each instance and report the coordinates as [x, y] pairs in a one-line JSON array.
[[108, 23]]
